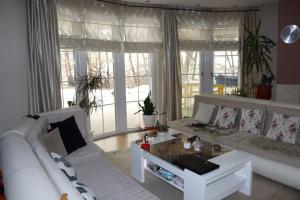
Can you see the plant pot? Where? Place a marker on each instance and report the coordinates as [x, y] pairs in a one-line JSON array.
[[149, 120], [264, 92]]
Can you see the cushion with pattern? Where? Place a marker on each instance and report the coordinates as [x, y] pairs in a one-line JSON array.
[[284, 128], [85, 191], [225, 117], [252, 120], [65, 166]]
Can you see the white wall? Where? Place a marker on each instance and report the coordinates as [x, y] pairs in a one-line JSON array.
[[13, 63], [269, 27]]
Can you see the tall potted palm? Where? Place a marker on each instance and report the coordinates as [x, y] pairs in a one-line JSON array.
[[256, 54]]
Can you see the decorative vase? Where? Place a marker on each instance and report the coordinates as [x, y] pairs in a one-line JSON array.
[[149, 120], [264, 92]]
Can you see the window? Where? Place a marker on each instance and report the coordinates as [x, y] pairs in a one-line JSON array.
[[209, 45], [138, 72], [67, 76], [225, 72], [119, 40], [103, 119]]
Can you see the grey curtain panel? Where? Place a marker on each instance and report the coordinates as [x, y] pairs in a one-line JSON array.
[[44, 59], [172, 65], [249, 21]]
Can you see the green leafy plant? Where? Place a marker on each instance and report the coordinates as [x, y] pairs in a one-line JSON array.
[[149, 107], [266, 80], [256, 52], [239, 92], [87, 85]]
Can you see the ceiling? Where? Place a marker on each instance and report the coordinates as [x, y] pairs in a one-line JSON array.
[[211, 3]]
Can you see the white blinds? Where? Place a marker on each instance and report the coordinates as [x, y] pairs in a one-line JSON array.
[[208, 30], [92, 25]]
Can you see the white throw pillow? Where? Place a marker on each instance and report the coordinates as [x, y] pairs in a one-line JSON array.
[[226, 117], [252, 120], [85, 191], [65, 166], [204, 112], [53, 143], [284, 128]]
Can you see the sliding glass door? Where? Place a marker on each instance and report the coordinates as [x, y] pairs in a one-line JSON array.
[[129, 80]]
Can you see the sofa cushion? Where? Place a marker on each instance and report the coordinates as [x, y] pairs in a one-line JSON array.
[[70, 134], [251, 120], [85, 153], [65, 166], [286, 109], [284, 128], [53, 142], [109, 182], [234, 139], [278, 151], [204, 112], [85, 191], [77, 112], [226, 117]]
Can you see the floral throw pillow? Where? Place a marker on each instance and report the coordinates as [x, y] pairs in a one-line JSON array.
[[226, 117], [251, 120], [284, 128]]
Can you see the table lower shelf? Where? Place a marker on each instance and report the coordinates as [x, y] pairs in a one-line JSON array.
[[171, 182]]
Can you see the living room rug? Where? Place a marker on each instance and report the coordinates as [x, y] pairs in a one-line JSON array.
[[262, 188]]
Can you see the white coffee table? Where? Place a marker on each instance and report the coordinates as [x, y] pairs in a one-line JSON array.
[[234, 173]]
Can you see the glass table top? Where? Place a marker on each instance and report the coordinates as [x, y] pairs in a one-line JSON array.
[[174, 149]]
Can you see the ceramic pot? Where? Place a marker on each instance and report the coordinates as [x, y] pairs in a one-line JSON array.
[[149, 120]]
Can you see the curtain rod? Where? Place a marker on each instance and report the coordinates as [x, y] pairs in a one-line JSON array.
[[166, 7]]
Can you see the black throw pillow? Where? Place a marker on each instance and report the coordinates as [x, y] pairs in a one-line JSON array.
[[70, 134]]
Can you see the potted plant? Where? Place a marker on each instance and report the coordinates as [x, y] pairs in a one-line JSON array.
[[264, 88], [86, 87], [256, 54], [149, 112]]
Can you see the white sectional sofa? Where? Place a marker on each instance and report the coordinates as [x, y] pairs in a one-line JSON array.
[[278, 161], [30, 173]]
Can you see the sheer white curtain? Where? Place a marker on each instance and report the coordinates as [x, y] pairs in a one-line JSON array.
[[94, 25], [208, 30]]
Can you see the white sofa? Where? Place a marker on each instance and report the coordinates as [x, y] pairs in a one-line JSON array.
[[271, 163], [30, 173]]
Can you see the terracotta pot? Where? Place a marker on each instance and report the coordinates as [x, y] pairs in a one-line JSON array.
[[264, 92]]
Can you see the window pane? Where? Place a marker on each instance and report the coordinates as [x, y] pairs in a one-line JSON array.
[[109, 118], [190, 76], [145, 87], [96, 118], [131, 67], [132, 89], [226, 67], [190, 61], [68, 93], [144, 64], [187, 107], [67, 65], [133, 120]]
